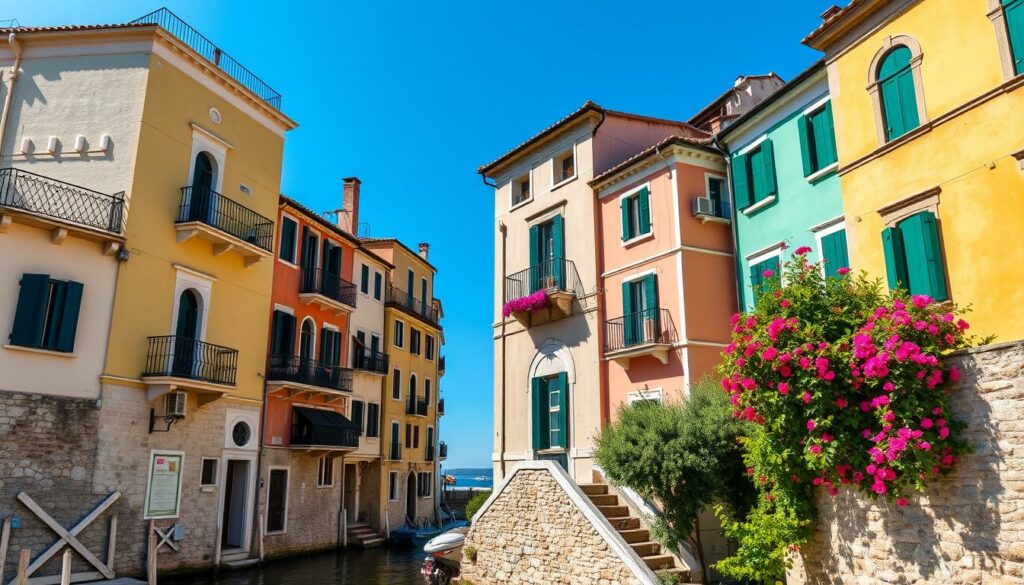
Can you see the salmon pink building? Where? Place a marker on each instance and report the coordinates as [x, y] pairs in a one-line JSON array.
[[664, 254]]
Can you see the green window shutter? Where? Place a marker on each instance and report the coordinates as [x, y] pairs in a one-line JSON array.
[[768, 159], [326, 353], [58, 294], [66, 321], [287, 248], [289, 333], [834, 252], [357, 413], [895, 258], [891, 109], [558, 266], [628, 318], [925, 269], [337, 348], [651, 292], [741, 182], [804, 126], [30, 314], [1014, 14], [828, 138], [626, 224], [541, 438], [563, 409], [644, 200], [908, 99], [364, 279], [756, 279], [534, 245], [896, 85]]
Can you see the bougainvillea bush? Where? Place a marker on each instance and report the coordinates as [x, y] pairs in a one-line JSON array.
[[530, 302], [848, 387]]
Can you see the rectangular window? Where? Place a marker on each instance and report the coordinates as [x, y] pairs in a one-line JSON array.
[[521, 189], [716, 193], [286, 249], [378, 285], [282, 338], [396, 384], [760, 273], [408, 436], [372, 419], [416, 437], [564, 166], [399, 334], [550, 418], [364, 279], [414, 341], [208, 474], [393, 486], [425, 484], [357, 414], [834, 252], [330, 347], [430, 348], [396, 441], [913, 256], [325, 471], [640, 310], [1014, 13], [636, 214], [547, 249], [277, 501], [554, 416], [427, 391], [374, 342], [46, 316], [430, 444], [817, 139], [754, 175]]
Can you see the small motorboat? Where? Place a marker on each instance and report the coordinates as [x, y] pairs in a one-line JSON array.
[[444, 556]]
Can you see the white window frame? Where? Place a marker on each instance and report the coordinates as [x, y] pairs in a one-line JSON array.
[[554, 167], [634, 193], [320, 467], [393, 481], [295, 241], [774, 251], [205, 141], [514, 184], [653, 394], [287, 494], [726, 194], [826, 229], [377, 274], [188, 278], [393, 378], [298, 334], [216, 472], [810, 110], [319, 245], [399, 322]]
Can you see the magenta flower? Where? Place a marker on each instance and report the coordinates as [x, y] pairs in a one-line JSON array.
[[811, 424], [901, 502], [802, 250], [530, 302], [816, 449], [768, 273], [843, 271], [783, 388]]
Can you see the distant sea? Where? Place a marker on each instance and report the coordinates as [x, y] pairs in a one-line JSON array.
[[472, 477]]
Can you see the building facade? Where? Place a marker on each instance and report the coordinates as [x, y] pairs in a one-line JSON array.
[[924, 95], [412, 339], [665, 259], [784, 174]]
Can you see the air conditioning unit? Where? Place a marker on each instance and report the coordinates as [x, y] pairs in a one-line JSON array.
[[704, 206], [174, 404]]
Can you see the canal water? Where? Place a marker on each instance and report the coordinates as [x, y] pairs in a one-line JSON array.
[[373, 566]]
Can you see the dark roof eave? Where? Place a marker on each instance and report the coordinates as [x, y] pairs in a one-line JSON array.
[[311, 215], [369, 242], [587, 107]]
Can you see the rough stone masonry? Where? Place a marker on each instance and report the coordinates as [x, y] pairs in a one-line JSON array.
[[967, 528]]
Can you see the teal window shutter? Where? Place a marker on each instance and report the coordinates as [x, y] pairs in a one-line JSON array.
[[755, 282], [541, 437], [757, 277], [834, 252], [828, 136], [30, 314], [804, 125], [325, 352], [337, 348], [65, 322], [364, 279], [741, 182], [651, 292], [286, 250], [558, 236], [357, 414], [895, 258], [925, 269], [535, 268], [1014, 13], [768, 160], [629, 329], [627, 225], [563, 410], [898, 95], [644, 205]]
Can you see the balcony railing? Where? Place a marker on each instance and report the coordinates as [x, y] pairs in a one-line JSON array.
[[299, 370], [211, 52], [181, 357], [368, 360], [440, 365], [416, 406], [557, 275], [442, 450], [440, 406], [215, 210], [62, 201], [304, 435], [332, 286], [651, 326], [424, 309]]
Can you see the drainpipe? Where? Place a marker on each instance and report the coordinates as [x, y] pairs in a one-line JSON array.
[[15, 45], [737, 261], [504, 263], [602, 374]]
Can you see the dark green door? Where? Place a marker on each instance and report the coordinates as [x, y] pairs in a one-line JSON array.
[[201, 206], [186, 330]]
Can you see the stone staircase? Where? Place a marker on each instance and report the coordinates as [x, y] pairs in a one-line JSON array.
[[361, 534], [638, 537]]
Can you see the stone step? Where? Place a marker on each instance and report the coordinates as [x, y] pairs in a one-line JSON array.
[[369, 542], [657, 562], [593, 489], [355, 525], [633, 535], [646, 549], [614, 511], [624, 523], [240, 564], [605, 500], [357, 531], [681, 576]]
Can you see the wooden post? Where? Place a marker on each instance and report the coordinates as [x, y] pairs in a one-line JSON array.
[[151, 556], [65, 568], [23, 561], [112, 542], [260, 528], [5, 539]]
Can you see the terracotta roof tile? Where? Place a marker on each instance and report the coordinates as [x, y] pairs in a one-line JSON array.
[[69, 27], [701, 143]]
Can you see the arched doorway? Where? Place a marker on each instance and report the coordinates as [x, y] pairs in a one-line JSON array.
[[410, 499], [186, 332], [202, 201]]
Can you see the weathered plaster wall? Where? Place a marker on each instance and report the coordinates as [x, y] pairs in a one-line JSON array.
[[967, 528]]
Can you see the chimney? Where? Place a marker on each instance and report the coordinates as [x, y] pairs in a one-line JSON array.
[[830, 12], [424, 250], [348, 217]]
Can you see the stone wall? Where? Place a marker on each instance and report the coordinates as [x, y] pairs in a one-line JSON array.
[[313, 511], [534, 531], [967, 528]]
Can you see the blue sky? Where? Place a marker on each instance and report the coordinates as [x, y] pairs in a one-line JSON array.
[[412, 97]]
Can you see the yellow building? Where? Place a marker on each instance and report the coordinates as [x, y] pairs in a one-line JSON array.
[[927, 104], [412, 340]]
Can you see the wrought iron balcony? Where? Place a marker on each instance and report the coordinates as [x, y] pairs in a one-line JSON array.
[[316, 281], [211, 52], [440, 365], [440, 407], [200, 205], [180, 357], [556, 275], [368, 360], [308, 372], [416, 406], [421, 308], [648, 332], [62, 201], [442, 451]]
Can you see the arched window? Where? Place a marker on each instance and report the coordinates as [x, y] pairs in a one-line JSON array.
[[897, 93], [201, 195], [306, 337], [187, 331], [412, 388]]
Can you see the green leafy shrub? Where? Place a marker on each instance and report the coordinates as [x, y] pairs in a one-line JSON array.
[[683, 454], [470, 553], [847, 387], [475, 503]]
